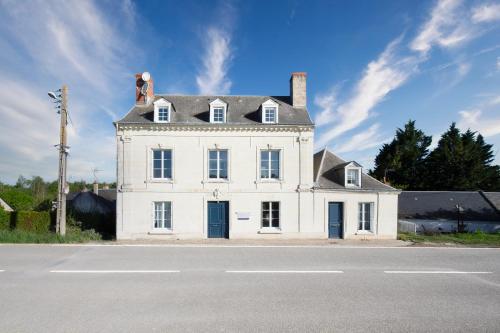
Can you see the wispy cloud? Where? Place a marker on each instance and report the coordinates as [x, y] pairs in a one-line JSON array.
[[475, 120], [448, 26], [70, 42], [370, 138], [486, 13], [213, 79], [381, 76]]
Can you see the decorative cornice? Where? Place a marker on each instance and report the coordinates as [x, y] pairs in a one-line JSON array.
[[216, 128]]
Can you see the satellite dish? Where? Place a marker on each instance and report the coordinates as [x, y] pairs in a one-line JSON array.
[[66, 189], [146, 76], [144, 89]]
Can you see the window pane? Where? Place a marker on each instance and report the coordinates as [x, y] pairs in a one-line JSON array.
[[168, 215], [167, 154], [157, 164], [265, 206], [275, 155], [212, 154], [276, 222], [157, 173], [212, 173], [264, 156], [167, 172], [157, 154]]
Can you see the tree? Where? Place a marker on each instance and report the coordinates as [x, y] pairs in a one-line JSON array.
[[461, 161], [38, 188], [402, 161], [22, 182]]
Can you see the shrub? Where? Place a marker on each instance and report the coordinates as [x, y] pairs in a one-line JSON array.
[[37, 222], [18, 199], [4, 220]]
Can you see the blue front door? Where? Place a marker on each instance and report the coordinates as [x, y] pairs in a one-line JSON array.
[[218, 219], [335, 219]]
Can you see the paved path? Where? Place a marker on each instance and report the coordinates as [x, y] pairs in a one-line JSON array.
[[248, 289]]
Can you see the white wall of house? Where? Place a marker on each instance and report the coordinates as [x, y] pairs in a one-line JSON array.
[[190, 188], [384, 215]]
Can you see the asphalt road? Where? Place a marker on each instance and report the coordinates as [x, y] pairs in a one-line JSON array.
[[248, 289]]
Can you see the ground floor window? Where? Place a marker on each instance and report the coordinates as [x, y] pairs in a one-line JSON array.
[[270, 214], [163, 215], [365, 215]]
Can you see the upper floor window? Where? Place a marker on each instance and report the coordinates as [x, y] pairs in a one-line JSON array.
[[270, 164], [218, 111], [353, 177], [270, 115], [217, 164], [270, 112], [162, 164], [162, 109], [365, 216]]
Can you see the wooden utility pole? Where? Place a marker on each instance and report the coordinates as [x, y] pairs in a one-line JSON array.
[[63, 154]]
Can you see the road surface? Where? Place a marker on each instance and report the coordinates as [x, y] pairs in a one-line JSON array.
[[248, 289]]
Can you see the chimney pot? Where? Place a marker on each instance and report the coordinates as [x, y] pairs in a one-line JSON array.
[[139, 83], [298, 89]]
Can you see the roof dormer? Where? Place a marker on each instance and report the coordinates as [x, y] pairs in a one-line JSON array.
[[352, 174], [270, 112], [218, 111], [162, 111]]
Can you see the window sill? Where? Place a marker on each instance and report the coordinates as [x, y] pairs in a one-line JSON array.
[[161, 180], [216, 180], [269, 231], [364, 232], [269, 181], [161, 232]]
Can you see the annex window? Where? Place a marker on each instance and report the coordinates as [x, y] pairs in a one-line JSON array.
[[353, 177], [270, 164], [365, 216], [163, 215], [270, 214], [162, 164], [270, 115], [217, 164]]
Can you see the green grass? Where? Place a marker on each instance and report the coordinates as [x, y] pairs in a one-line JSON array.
[[474, 238], [73, 235]]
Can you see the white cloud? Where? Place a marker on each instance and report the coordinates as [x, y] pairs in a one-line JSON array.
[[474, 119], [327, 103], [498, 63], [212, 79], [486, 13], [381, 76], [362, 141]]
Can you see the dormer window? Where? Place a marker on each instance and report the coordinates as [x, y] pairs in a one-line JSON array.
[[162, 111], [269, 112], [218, 111], [353, 175]]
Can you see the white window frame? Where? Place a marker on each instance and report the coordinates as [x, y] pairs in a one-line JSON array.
[[162, 104], [218, 150], [280, 155], [218, 104], [163, 220], [361, 216], [270, 104], [358, 177], [152, 159], [270, 227]]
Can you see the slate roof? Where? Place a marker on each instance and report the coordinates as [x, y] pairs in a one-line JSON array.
[[442, 205], [325, 166], [241, 110], [493, 199]]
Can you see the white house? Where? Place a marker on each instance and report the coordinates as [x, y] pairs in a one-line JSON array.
[[239, 167]]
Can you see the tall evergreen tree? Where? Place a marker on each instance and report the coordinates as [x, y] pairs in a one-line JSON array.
[[401, 162], [462, 161]]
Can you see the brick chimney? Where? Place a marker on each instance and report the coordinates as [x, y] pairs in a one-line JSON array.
[[143, 95], [298, 92]]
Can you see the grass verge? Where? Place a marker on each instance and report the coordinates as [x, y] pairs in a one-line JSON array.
[[474, 238], [73, 235]]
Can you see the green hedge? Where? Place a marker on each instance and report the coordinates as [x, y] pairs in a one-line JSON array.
[[4, 220], [38, 222]]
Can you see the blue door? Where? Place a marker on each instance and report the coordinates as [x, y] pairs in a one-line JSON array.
[[335, 219], [218, 219]]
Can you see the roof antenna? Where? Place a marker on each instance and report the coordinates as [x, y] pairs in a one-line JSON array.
[[94, 172]]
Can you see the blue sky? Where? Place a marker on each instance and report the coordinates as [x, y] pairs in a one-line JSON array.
[[371, 65]]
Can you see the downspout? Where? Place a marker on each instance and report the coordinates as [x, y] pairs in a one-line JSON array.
[[378, 208], [300, 179]]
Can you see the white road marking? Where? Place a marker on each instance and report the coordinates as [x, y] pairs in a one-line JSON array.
[[435, 272], [115, 271], [285, 272], [1, 270]]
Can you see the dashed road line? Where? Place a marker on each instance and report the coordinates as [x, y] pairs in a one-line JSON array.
[[115, 271], [435, 272], [285, 272]]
